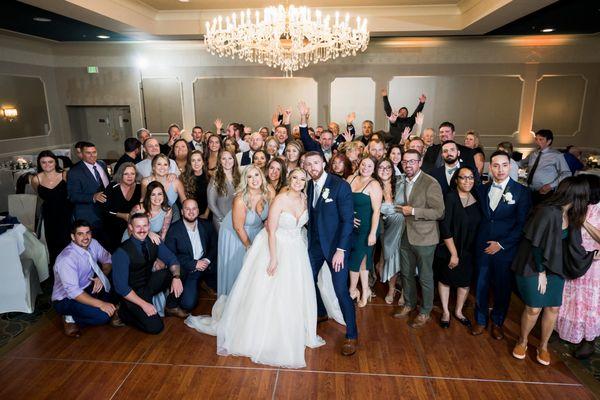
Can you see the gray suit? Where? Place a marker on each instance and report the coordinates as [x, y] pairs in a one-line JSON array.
[[420, 239]]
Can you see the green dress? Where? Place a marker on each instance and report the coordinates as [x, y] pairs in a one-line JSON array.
[[528, 285], [360, 236]]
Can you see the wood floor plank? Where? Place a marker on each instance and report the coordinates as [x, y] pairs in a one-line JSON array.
[[99, 343], [181, 382], [46, 379]]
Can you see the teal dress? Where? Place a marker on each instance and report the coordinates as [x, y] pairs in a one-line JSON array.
[[360, 236], [528, 285]]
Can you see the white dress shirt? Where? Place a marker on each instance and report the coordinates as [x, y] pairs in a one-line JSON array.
[[319, 183], [450, 171], [194, 236], [244, 146], [103, 176], [410, 182], [495, 194]]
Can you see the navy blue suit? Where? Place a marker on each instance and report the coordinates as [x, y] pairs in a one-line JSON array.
[[505, 226], [178, 241], [309, 143], [330, 227], [81, 187]]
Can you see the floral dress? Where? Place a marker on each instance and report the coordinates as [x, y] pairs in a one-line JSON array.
[[579, 316]]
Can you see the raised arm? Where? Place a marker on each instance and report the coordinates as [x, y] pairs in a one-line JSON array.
[[420, 106], [386, 102], [309, 143]]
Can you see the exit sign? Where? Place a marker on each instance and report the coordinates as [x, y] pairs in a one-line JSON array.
[[92, 69]]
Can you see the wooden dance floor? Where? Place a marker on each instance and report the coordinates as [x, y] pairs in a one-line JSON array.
[[394, 361]]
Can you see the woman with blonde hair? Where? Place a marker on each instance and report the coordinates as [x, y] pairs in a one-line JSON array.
[[222, 187], [172, 185], [241, 225], [272, 146]]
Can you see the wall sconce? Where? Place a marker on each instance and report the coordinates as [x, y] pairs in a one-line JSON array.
[[9, 114]]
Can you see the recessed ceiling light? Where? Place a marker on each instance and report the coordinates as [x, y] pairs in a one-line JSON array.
[[184, 1], [103, 37], [547, 30], [41, 19]]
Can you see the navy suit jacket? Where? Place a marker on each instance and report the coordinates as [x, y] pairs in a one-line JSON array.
[[309, 143], [505, 224], [81, 187], [333, 217], [178, 241]]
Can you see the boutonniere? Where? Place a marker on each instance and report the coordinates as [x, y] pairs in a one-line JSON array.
[[325, 193], [508, 197]]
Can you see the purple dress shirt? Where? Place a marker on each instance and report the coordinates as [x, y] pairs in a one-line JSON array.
[[72, 269]]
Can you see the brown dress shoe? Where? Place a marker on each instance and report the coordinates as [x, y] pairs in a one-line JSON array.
[[115, 320], [497, 332], [322, 318], [403, 312], [477, 329], [420, 320], [349, 347], [176, 312], [71, 329]]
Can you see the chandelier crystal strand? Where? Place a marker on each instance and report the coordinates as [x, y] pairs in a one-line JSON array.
[[286, 38]]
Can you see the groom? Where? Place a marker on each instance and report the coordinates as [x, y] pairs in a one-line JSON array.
[[331, 218]]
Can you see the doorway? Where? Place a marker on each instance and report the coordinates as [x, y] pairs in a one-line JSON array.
[[105, 126]]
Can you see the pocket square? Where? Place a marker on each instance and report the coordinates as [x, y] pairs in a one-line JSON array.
[[328, 200], [510, 202]]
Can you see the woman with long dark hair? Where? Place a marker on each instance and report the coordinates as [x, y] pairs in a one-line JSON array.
[[276, 174], [50, 184], [579, 316], [222, 186], [367, 196], [454, 260], [538, 265], [195, 182]]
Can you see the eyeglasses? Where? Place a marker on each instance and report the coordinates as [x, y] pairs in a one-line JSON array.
[[382, 168], [466, 178], [409, 162]]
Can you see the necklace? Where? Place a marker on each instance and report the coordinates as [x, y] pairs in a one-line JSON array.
[[465, 201]]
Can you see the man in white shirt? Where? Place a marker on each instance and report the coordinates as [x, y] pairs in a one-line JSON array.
[[152, 148], [234, 130], [194, 241], [196, 142]]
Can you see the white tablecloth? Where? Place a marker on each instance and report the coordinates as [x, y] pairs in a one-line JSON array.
[[28, 246]]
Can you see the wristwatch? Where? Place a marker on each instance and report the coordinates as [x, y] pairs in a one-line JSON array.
[[176, 277]]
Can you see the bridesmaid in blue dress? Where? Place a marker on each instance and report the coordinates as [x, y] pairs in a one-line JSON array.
[[241, 225]]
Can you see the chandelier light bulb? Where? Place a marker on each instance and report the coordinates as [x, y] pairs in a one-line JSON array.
[[288, 38]]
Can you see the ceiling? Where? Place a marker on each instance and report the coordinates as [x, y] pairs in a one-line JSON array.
[[85, 20]]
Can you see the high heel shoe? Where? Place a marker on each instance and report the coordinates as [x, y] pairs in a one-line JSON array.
[[389, 299], [366, 298], [354, 294]]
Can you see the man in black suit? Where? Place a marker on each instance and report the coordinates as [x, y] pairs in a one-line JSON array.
[[256, 143], [196, 143], [194, 243], [452, 162], [433, 155], [132, 151]]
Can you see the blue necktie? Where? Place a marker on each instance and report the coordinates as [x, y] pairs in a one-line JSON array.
[[97, 175], [496, 186]]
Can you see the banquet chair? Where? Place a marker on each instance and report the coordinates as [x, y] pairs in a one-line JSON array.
[[19, 280], [24, 207]]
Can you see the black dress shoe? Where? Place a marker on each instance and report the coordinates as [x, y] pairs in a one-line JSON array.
[[445, 324], [465, 321]]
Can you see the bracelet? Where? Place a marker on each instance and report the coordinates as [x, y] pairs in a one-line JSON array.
[[176, 277]]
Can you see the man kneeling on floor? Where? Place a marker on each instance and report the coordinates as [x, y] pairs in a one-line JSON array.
[[139, 273], [81, 292]]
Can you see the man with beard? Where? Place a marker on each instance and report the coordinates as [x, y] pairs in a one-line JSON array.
[[194, 243], [256, 143], [433, 155], [138, 277], [452, 162]]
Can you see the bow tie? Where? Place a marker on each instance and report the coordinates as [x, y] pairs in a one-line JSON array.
[[496, 186], [451, 171]]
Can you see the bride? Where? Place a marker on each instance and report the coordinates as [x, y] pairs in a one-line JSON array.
[[270, 314]]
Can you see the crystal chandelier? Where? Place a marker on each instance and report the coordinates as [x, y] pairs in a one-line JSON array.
[[289, 38]]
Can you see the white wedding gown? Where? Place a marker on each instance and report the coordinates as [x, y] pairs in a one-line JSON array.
[[271, 319]]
